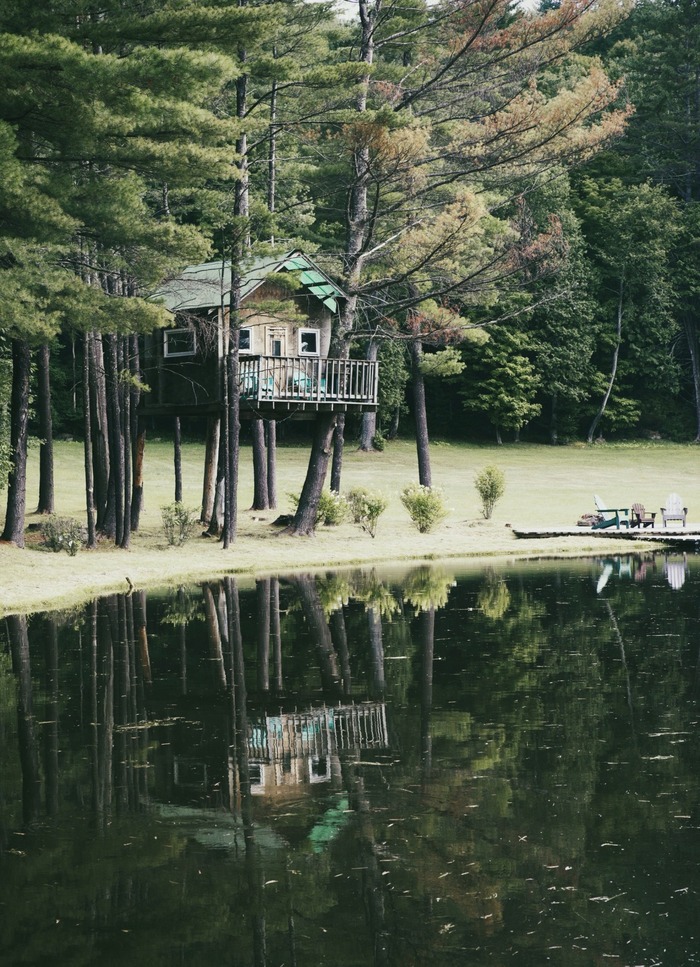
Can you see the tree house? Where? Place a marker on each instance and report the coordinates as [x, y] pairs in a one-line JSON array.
[[286, 318]]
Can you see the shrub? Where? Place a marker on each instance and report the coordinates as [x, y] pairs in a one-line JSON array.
[[425, 505], [366, 507], [491, 485], [179, 523], [63, 534], [332, 508]]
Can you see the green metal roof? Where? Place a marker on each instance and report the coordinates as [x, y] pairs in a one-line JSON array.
[[208, 285]]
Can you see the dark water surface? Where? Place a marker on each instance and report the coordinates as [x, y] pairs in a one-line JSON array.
[[426, 767]]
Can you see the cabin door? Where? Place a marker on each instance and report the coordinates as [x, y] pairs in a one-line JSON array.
[[276, 341]]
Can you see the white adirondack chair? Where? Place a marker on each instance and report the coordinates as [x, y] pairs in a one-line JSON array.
[[674, 510]]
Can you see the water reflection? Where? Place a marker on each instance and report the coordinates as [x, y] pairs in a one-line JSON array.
[[358, 768]]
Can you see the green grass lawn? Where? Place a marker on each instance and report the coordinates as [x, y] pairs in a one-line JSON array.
[[545, 486]]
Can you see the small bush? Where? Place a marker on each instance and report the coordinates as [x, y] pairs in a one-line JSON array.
[[425, 505], [332, 508], [179, 523], [366, 507], [63, 534], [491, 485]]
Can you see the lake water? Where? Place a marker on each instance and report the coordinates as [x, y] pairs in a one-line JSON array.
[[431, 766]]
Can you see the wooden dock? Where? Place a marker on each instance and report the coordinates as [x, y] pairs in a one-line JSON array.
[[687, 537]]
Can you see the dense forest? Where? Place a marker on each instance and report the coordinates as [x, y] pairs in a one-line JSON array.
[[508, 197]]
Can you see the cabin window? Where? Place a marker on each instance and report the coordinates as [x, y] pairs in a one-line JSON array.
[[308, 342], [179, 342], [245, 340]]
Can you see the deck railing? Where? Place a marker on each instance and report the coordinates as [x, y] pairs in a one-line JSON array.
[[308, 379]]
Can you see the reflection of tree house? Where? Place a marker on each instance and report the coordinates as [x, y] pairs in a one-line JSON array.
[[286, 316], [293, 749]]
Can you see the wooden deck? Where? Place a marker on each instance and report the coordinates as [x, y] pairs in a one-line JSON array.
[[677, 536], [304, 382]]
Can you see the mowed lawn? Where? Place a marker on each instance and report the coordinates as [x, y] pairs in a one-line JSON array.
[[545, 487], [548, 486]]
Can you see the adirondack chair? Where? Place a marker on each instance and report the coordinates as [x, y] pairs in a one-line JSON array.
[[619, 518], [640, 518], [674, 510]]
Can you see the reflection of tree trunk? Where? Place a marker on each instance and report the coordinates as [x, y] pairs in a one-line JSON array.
[[340, 640], [376, 644], [43, 405], [122, 717], [214, 633], [276, 634], [253, 865], [262, 594], [367, 851], [141, 631], [105, 716], [621, 643], [320, 632], [26, 734], [260, 493], [51, 717], [427, 634], [19, 423]]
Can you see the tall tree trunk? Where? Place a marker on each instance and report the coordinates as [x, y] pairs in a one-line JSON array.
[[271, 432], [554, 421], [125, 403], [19, 423], [393, 430], [104, 500], [260, 492], [116, 440], [139, 450], [691, 335], [338, 450], [420, 415], [211, 461], [613, 369], [87, 443], [369, 419], [177, 459], [46, 489], [137, 434], [304, 523], [232, 423], [358, 226]]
